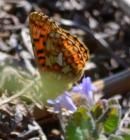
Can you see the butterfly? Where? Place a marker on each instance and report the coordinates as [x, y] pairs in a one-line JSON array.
[[60, 56]]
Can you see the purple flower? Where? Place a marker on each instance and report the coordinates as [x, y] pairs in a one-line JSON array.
[[63, 101], [85, 88]]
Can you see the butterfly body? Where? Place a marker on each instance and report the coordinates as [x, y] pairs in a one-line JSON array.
[[60, 56]]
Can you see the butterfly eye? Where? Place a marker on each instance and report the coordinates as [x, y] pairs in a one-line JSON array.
[[42, 36]]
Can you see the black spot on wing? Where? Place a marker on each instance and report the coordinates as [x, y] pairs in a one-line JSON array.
[[41, 57], [40, 51], [42, 36], [35, 39], [44, 43]]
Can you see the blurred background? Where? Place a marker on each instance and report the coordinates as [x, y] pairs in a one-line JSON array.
[[104, 27]]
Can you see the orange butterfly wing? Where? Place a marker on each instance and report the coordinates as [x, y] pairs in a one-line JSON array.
[[60, 56], [51, 43]]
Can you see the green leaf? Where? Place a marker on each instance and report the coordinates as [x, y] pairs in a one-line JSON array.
[[112, 119], [73, 132], [115, 137], [102, 137], [126, 135], [81, 126], [99, 108], [113, 101], [11, 80]]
